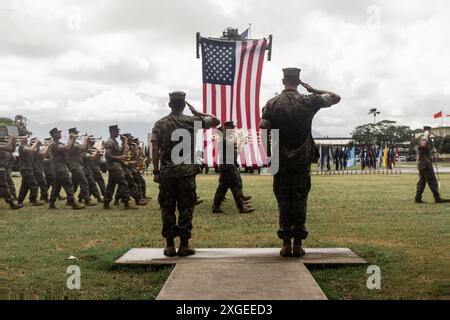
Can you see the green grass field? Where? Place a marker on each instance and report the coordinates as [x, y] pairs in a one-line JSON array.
[[373, 215]]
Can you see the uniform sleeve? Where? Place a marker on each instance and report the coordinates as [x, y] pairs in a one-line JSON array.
[[266, 114], [155, 133], [318, 101]]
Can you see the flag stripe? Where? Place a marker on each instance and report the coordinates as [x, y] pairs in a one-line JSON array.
[[237, 100]]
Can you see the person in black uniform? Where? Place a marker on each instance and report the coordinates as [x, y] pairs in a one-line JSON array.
[[29, 183], [59, 152]]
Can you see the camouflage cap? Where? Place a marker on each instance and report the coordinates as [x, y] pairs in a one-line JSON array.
[[292, 73], [114, 127], [427, 128], [74, 131], [177, 96], [54, 131]]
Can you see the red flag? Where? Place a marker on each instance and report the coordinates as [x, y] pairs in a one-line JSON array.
[[438, 115]]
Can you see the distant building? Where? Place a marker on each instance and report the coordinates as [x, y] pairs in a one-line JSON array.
[[441, 131]]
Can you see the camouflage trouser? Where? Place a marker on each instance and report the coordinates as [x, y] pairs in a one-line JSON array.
[[291, 190], [117, 178], [30, 184], [4, 188], [132, 186], [93, 186], [230, 179], [140, 183], [79, 179], [100, 181], [49, 179], [40, 179], [427, 176], [177, 193], [62, 180], [11, 185]]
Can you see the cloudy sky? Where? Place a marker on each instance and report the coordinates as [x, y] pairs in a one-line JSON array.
[[115, 60]]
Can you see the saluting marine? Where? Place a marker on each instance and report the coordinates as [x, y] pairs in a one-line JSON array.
[[292, 113], [176, 177]]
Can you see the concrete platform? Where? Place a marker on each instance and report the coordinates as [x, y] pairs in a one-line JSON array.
[[241, 281], [313, 256]]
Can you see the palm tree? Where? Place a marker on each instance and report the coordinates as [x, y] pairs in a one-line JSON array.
[[375, 112]]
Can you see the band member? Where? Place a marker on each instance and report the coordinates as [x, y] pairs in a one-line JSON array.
[[229, 177], [38, 167], [59, 154], [114, 160], [9, 179], [292, 113], [98, 176], [5, 150], [176, 177], [127, 171], [29, 183], [89, 158], [76, 168]]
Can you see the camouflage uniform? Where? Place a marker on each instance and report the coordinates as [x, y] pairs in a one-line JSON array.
[[38, 167], [78, 175], [62, 175], [49, 173], [229, 176], [116, 175], [426, 172], [4, 187], [29, 182], [9, 179], [177, 187], [292, 114], [98, 176], [89, 173]]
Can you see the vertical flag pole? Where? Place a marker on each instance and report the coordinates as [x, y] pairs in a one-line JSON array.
[[249, 30]]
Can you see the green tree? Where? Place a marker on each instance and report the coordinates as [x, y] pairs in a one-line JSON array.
[[382, 132], [20, 122]]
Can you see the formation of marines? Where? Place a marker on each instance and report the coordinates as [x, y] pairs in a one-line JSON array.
[[72, 165], [50, 166]]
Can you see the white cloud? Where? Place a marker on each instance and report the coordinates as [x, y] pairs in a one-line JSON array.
[[127, 55]]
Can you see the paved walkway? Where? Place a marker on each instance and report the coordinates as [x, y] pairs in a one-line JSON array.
[[241, 274]]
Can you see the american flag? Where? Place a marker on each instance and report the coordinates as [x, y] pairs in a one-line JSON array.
[[231, 84]]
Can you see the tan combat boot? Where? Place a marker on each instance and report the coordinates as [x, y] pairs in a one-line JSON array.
[[77, 206], [246, 208], [15, 206], [37, 203], [170, 250], [185, 250], [129, 206], [90, 203], [298, 251], [286, 251]]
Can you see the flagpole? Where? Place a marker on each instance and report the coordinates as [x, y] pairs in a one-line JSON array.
[[442, 118], [249, 30]]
